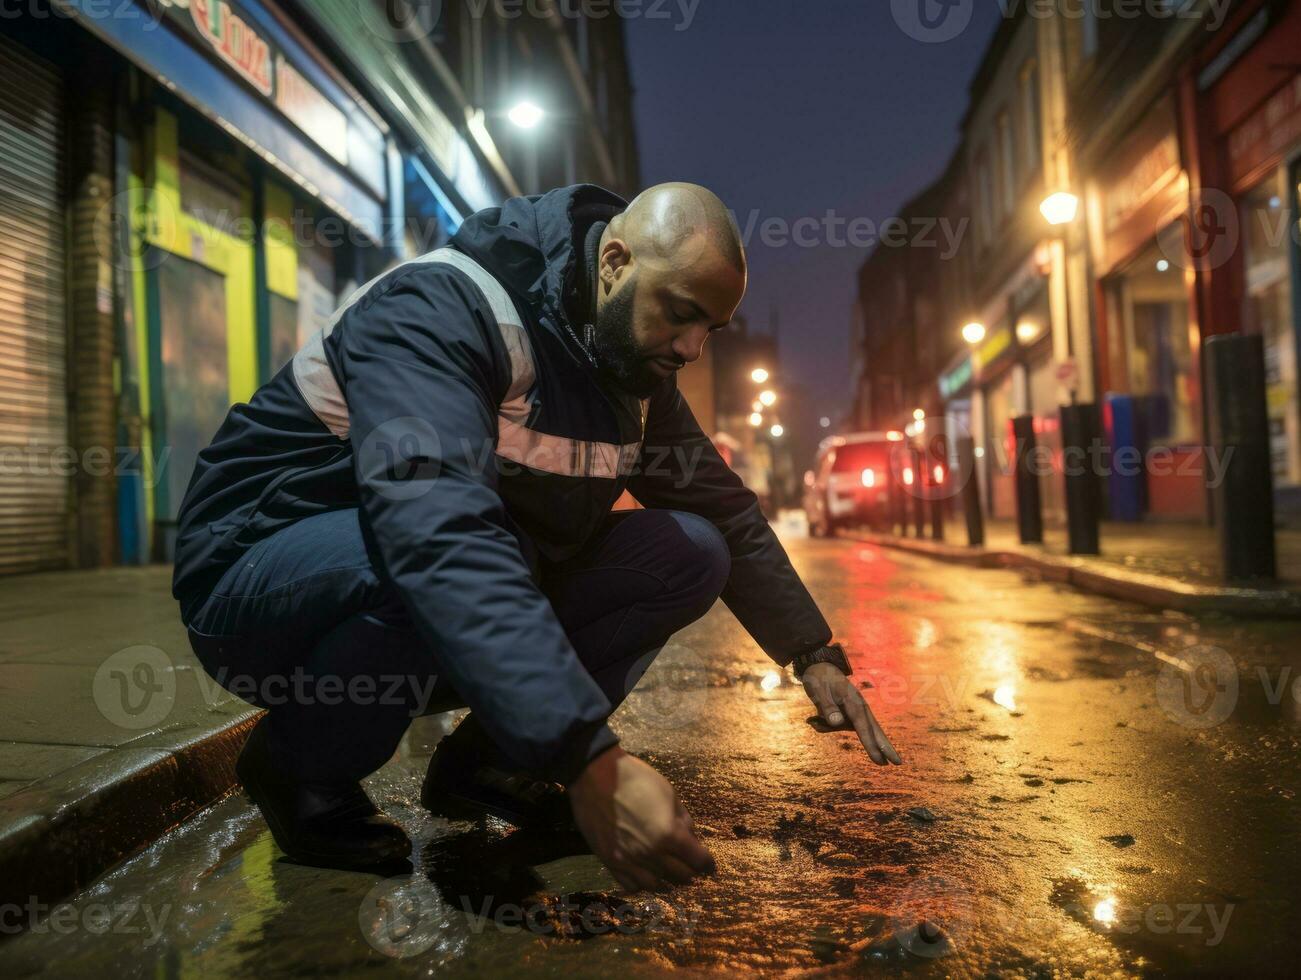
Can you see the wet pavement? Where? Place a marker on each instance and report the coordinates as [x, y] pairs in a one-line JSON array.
[[1089, 788]]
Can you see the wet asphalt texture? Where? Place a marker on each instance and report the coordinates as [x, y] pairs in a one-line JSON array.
[[1089, 788]]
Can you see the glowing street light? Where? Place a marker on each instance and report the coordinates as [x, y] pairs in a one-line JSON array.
[[756, 420], [919, 414], [526, 114], [1060, 208], [759, 375], [973, 333], [776, 431], [768, 397]]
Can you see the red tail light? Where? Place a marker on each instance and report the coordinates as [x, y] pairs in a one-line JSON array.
[[939, 473], [869, 478], [907, 476]]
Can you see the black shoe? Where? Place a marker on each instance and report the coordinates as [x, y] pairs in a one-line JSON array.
[[467, 778], [325, 826]]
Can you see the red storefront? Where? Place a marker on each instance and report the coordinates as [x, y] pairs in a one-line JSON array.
[[1148, 332], [1242, 98]]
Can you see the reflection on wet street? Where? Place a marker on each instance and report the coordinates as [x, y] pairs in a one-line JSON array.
[[1088, 788]]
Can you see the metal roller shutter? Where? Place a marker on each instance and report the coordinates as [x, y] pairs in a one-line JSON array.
[[34, 480]]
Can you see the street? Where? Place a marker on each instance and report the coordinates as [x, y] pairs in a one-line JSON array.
[[1087, 788]]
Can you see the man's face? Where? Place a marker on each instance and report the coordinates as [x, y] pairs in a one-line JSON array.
[[656, 315]]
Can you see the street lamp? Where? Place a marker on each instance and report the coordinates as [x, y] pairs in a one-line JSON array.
[[919, 414], [973, 333], [768, 397], [777, 431], [526, 114], [759, 375], [756, 420], [1060, 208]]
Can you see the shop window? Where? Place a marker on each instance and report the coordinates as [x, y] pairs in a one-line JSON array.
[[1266, 223], [212, 196], [1149, 323], [194, 375]]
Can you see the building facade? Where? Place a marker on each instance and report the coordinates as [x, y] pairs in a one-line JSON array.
[[1131, 185], [187, 190]]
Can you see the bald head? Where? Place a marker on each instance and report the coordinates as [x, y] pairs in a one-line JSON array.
[[671, 221], [671, 270]]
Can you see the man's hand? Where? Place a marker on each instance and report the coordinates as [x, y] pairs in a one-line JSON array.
[[632, 820], [836, 699]]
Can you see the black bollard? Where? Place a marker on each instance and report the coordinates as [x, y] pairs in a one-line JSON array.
[[917, 489], [937, 459], [1029, 507], [892, 503], [1239, 433], [970, 491], [1079, 432]]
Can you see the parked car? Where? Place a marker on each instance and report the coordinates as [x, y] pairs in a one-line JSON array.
[[849, 482]]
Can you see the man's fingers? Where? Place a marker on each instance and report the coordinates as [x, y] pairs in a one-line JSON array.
[[861, 718], [689, 850], [886, 746], [826, 705], [671, 869], [626, 881], [644, 878]]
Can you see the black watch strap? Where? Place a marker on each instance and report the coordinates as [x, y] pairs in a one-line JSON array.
[[832, 653]]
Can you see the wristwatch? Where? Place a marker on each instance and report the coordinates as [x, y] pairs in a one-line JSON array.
[[832, 653]]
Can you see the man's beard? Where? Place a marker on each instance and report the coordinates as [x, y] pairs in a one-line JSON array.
[[617, 355]]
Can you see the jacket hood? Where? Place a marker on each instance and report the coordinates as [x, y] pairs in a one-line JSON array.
[[532, 244]]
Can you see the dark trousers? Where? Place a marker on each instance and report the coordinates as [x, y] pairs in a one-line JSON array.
[[303, 626]]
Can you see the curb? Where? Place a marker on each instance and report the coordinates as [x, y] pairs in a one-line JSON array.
[[1144, 588], [57, 837]]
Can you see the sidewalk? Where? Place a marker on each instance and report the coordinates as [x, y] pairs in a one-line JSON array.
[[108, 734], [1171, 566]]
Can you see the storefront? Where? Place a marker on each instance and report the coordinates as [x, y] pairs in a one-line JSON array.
[[1253, 115], [34, 525], [1148, 337], [256, 186], [1013, 373]]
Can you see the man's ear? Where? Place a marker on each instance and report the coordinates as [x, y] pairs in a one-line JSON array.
[[615, 261]]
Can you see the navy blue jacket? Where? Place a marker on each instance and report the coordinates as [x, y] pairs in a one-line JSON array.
[[452, 402]]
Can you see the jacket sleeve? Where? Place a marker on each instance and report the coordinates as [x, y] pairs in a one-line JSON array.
[[680, 469], [423, 368]]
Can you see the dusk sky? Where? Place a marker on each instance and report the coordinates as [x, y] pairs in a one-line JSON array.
[[789, 110]]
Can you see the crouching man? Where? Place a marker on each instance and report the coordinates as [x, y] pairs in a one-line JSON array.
[[424, 492]]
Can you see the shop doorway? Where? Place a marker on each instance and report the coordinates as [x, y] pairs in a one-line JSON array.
[[198, 285]]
